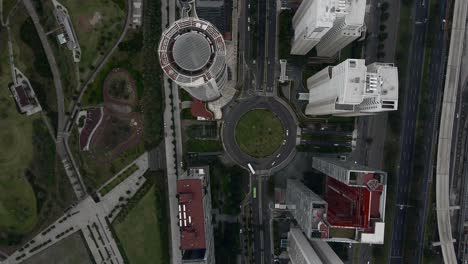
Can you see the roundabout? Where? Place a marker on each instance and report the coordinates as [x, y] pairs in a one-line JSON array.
[[260, 131]]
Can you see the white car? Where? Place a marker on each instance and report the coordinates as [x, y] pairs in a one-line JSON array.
[[287, 132]]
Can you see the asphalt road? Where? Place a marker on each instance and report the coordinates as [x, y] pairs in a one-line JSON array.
[[409, 117], [436, 81], [235, 112], [271, 60], [261, 44], [265, 210], [256, 222]]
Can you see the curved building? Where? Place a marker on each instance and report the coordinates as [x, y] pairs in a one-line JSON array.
[[192, 53]]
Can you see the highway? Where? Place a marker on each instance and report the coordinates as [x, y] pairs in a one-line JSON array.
[[445, 140], [432, 110], [409, 117]]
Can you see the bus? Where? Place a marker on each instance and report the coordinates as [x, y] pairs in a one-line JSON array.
[[254, 191], [251, 168]]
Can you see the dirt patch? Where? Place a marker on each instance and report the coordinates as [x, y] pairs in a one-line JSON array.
[[121, 128], [96, 19], [84, 25], [119, 87]]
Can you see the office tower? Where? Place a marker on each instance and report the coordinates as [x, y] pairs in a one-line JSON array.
[[328, 25], [192, 53], [308, 208], [351, 89]]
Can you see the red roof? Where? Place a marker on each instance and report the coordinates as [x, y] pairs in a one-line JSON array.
[[23, 96], [191, 214], [199, 109], [347, 205]]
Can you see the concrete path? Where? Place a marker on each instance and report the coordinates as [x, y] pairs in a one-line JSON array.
[[92, 219]]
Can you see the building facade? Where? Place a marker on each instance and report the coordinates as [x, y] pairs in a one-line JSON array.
[[311, 22], [347, 27], [328, 25], [351, 89], [299, 249], [192, 53], [308, 208]]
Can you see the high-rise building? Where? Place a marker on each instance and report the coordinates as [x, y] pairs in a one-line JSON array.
[[328, 24], [311, 22], [308, 209], [354, 198], [192, 53], [348, 26], [345, 171], [351, 89], [196, 231], [299, 249], [302, 251]]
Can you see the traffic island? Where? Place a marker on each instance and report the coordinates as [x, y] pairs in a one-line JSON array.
[[259, 133]]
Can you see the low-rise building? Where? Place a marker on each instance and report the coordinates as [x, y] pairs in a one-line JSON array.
[[196, 231], [24, 95]]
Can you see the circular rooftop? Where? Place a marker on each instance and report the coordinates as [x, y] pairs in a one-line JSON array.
[[191, 51]]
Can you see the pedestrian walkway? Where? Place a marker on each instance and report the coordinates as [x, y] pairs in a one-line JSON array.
[[92, 218]]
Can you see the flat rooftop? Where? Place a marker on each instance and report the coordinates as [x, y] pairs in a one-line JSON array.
[[191, 214], [353, 206]]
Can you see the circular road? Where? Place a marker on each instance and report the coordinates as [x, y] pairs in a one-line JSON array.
[[282, 155]]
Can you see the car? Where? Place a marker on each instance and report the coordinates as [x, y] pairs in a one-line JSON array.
[[287, 132], [248, 19], [279, 154], [273, 163], [248, 28], [249, 6], [165, 124], [284, 142]]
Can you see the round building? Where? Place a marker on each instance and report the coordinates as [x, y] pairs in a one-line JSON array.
[[192, 53]]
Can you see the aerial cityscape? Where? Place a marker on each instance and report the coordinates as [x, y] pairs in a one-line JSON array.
[[233, 131]]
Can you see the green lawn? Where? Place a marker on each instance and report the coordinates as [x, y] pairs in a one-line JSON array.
[[259, 133], [140, 232], [17, 199], [97, 24], [199, 145]]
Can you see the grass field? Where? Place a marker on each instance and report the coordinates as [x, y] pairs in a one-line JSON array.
[[71, 250], [259, 133], [97, 24], [17, 200], [32, 61], [199, 145], [140, 232]]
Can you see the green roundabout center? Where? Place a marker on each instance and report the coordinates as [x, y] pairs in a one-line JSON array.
[[259, 133]]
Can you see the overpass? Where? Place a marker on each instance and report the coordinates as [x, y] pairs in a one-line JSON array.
[[446, 130]]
